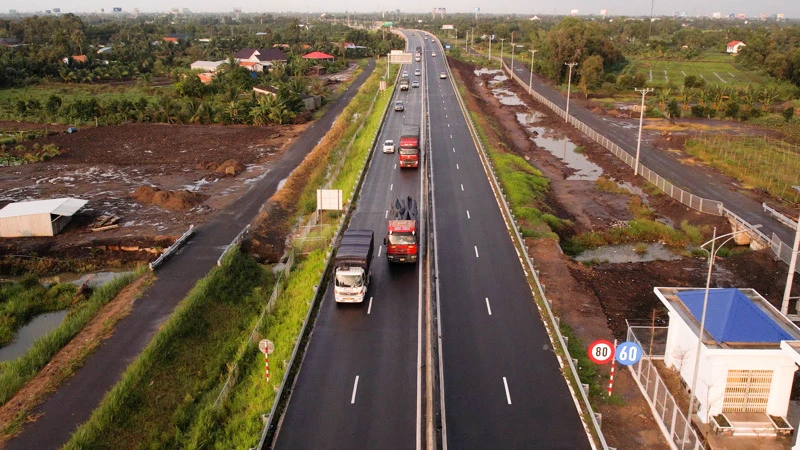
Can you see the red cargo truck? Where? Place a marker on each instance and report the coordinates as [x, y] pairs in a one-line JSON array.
[[402, 239], [409, 146]]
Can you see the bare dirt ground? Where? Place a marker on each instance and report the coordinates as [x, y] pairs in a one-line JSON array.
[[596, 301], [200, 168]]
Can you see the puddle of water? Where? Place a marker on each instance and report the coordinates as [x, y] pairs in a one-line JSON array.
[[194, 187], [485, 71], [507, 97], [617, 254], [27, 335], [95, 279], [561, 148]]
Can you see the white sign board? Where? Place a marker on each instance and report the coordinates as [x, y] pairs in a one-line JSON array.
[[400, 57], [447, 27], [266, 346], [329, 199]]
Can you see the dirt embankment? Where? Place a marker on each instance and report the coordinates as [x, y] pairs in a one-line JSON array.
[[596, 301], [157, 179]]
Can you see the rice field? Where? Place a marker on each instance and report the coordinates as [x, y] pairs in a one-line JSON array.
[[660, 73]]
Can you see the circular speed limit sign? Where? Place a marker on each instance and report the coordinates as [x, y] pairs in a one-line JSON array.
[[601, 351]]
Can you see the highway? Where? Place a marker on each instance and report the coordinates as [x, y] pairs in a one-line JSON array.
[[359, 385], [686, 176], [502, 386]]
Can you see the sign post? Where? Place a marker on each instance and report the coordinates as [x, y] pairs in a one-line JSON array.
[[266, 347]]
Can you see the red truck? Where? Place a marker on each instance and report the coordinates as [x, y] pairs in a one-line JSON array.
[[402, 239], [409, 146]]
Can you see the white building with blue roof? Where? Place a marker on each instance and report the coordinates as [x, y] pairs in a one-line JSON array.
[[748, 355]]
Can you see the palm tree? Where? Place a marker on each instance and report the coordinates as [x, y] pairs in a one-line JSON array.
[[280, 114], [193, 109], [767, 96], [261, 111], [167, 109]]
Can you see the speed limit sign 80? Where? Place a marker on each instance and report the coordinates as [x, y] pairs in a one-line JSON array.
[[601, 351]]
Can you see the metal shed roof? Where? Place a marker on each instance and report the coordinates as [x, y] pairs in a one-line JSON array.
[[732, 317], [58, 206]]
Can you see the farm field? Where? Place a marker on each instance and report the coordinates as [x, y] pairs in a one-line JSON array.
[[713, 70]]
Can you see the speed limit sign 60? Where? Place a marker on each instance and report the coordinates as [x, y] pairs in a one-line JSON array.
[[601, 351]]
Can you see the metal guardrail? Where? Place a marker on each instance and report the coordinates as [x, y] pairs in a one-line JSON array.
[[233, 243], [316, 295], [778, 215], [552, 325], [172, 248]]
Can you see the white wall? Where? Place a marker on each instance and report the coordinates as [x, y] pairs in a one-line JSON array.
[[714, 366]]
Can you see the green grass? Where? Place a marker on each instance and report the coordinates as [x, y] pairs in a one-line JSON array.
[[703, 70], [757, 162], [22, 301], [15, 373], [134, 411], [179, 374]]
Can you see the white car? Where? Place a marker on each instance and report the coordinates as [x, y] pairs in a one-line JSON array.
[[433, 53], [443, 75], [388, 146], [404, 75], [415, 84], [417, 72]]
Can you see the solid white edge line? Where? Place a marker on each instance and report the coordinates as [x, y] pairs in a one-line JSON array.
[[489, 308], [442, 409], [420, 309], [355, 389], [369, 308], [476, 251], [508, 395]]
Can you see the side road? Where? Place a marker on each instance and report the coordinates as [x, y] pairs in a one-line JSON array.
[[74, 402], [682, 175]]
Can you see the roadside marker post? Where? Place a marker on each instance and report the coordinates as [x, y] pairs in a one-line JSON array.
[[611, 378], [266, 347]]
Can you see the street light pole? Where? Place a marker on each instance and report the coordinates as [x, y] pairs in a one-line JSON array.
[[569, 85], [512, 55], [502, 42], [711, 255], [490, 48], [530, 82], [644, 92], [792, 264]]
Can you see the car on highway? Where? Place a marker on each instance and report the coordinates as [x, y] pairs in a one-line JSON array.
[[417, 72], [433, 53], [388, 146], [404, 75], [426, 38], [414, 84], [443, 75], [398, 106]]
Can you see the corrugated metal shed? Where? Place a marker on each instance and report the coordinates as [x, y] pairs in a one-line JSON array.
[[39, 217]]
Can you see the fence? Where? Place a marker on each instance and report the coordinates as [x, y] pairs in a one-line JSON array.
[[665, 409], [276, 292], [688, 199]]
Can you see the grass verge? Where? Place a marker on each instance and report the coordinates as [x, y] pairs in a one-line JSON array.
[[15, 373], [167, 397], [177, 376]]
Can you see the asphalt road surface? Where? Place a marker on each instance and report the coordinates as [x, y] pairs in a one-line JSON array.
[[502, 383], [688, 177], [73, 403], [359, 382]]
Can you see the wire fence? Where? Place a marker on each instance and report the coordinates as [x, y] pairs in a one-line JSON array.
[[671, 419], [693, 201]]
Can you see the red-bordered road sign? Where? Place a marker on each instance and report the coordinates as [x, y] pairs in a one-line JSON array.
[[601, 351]]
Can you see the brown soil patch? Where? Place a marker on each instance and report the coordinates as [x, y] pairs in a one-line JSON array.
[[596, 301], [199, 169], [69, 358], [174, 200]]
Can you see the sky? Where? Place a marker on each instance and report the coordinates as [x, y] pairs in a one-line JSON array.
[[791, 8]]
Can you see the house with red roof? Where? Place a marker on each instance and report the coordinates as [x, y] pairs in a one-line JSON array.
[[735, 46], [319, 56]]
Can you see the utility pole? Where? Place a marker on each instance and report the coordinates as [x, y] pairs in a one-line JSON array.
[[490, 48], [792, 264], [569, 85], [530, 82], [502, 42], [644, 92]]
